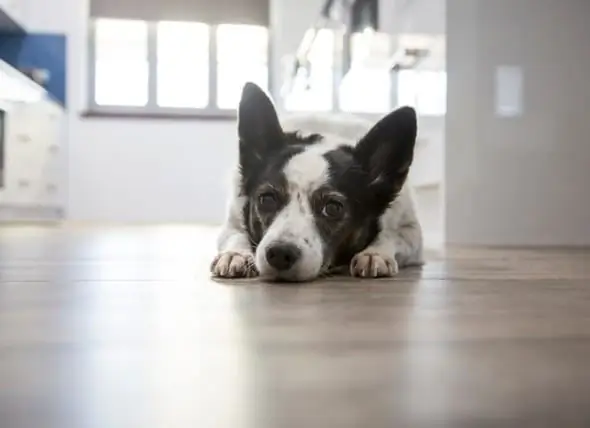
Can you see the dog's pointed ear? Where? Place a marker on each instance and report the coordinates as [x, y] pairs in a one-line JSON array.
[[387, 150], [259, 130]]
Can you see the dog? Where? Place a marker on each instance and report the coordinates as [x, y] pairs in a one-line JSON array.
[[326, 195]]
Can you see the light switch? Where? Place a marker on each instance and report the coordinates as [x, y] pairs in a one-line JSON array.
[[509, 91]]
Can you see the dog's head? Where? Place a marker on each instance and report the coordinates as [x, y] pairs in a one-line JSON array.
[[313, 202]]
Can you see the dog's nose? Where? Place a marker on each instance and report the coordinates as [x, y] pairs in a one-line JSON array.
[[282, 256]]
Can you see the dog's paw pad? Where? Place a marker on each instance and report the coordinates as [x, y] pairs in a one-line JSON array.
[[373, 265], [233, 265]]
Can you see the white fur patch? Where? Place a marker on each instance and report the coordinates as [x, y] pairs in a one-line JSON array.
[[308, 170], [305, 173], [294, 225]]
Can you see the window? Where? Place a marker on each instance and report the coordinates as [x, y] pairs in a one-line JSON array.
[[312, 86], [183, 74], [365, 88], [168, 66], [242, 55], [367, 85], [121, 63], [426, 90]]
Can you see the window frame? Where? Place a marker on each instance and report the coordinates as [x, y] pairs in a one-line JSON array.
[[152, 109]]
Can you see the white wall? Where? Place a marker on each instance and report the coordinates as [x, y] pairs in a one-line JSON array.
[[135, 170], [523, 180], [150, 170]]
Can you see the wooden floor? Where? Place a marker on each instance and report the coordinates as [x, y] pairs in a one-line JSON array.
[[123, 328]]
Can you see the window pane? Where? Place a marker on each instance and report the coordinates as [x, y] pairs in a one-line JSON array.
[[432, 93], [238, 43], [407, 83], [312, 89], [242, 55], [313, 92], [424, 90], [121, 63], [183, 64], [231, 80], [367, 86], [366, 90], [321, 52]]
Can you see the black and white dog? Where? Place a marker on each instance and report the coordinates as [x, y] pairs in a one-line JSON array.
[[307, 204]]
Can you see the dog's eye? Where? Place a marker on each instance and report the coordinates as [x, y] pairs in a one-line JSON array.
[[267, 201], [333, 209]]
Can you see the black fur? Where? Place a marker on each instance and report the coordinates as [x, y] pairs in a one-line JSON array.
[[349, 178], [386, 153], [271, 173], [262, 138]]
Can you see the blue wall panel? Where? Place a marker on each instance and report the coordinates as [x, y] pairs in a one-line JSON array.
[[40, 51]]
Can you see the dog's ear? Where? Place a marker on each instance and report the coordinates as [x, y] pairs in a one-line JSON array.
[[259, 130], [387, 150]]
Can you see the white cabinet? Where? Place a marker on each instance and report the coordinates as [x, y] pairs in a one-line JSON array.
[[33, 135]]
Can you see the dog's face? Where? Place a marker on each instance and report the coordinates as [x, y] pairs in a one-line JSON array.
[[313, 202]]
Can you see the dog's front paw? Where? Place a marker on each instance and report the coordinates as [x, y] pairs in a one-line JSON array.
[[373, 265], [233, 265]]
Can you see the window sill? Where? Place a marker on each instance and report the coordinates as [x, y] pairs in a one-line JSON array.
[[163, 114]]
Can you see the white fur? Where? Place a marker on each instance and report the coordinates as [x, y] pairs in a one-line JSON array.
[[295, 225], [305, 173], [399, 243]]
